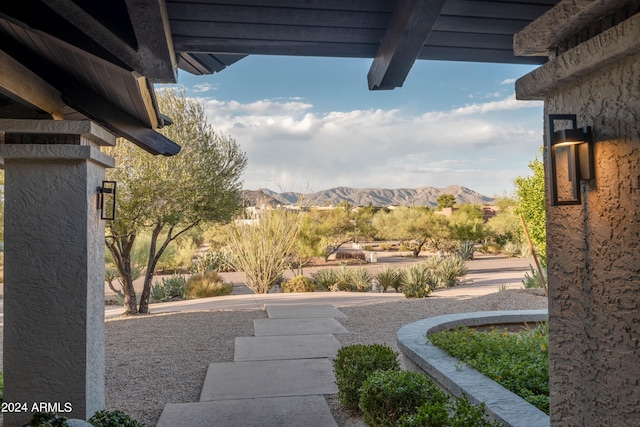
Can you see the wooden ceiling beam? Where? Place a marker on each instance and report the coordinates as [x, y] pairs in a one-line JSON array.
[[155, 46], [410, 25], [95, 30], [26, 87], [153, 57]]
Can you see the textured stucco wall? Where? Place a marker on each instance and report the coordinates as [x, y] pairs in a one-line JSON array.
[[54, 281], [594, 260]]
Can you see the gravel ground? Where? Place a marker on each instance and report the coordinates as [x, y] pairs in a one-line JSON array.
[[151, 361]]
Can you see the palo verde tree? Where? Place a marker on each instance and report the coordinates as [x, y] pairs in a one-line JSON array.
[[531, 205], [406, 224], [168, 196]]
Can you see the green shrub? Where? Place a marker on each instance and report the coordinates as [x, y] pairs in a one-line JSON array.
[[40, 419], [169, 288], [354, 363], [387, 396], [533, 280], [298, 284], [388, 278], [206, 285], [518, 362], [112, 419], [361, 279], [450, 270], [417, 282], [459, 413], [350, 255], [325, 278], [466, 249]]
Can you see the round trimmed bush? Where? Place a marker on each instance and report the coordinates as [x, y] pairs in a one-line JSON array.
[[298, 284], [354, 363], [387, 396]]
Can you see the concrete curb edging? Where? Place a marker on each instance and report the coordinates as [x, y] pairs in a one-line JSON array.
[[422, 356]]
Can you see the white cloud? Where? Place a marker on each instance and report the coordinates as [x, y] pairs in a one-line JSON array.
[[203, 87], [474, 145], [508, 81]]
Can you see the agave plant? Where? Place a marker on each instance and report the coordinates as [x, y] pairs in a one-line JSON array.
[[325, 278], [466, 249]]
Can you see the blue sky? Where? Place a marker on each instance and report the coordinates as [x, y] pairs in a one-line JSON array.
[[310, 124]]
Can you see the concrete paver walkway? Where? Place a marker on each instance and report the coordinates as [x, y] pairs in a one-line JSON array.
[[277, 377]]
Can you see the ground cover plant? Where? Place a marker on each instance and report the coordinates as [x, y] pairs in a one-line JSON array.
[[517, 361]]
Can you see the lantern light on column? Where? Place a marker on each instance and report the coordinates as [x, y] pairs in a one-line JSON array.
[[571, 152], [107, 200]]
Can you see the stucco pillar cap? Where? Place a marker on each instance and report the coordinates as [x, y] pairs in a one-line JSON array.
[[85, 128]]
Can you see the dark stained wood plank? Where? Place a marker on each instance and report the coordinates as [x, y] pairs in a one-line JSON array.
[[492, 9], [275, 33], [277, 16], [409, 28], [267, 47], [481, 41], [477, 55], [348, 5], [463, 24]]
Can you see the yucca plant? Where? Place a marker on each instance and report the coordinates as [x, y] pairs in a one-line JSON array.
[[388, 278], [417, 282], [361, 279], [343, 280], [450, 269], [511, 250], [325, 278]]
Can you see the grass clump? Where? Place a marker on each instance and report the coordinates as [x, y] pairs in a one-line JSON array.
[[518, 362], [206, 285], [354, 363]]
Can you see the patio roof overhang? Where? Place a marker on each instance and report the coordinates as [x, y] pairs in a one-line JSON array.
[[79, 59]]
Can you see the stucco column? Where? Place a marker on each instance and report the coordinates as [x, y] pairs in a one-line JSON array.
[[54, 267], [593, 249]]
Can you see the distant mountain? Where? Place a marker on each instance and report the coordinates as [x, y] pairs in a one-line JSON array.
[[421, 196]]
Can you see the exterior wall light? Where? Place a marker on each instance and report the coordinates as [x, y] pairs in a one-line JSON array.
[[571, 159], [107, 200]]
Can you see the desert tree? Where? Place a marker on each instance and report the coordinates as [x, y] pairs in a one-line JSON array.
[[467, 223], [531, 205], [168, 196], [446, 201], [411, 224]]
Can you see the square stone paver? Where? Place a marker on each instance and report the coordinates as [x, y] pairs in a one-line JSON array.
[[285, 347], [303, 311], [312, 326], [307, 411], [272, 378]]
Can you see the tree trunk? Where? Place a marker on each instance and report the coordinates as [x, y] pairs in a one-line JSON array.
[[120, 247]]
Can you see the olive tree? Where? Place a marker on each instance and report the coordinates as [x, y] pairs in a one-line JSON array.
[[168, 196]]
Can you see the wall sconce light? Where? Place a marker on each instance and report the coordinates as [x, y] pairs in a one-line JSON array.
[[571, 159], [107, 200]]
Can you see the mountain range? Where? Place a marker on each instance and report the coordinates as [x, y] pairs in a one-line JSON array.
[[379, 197]]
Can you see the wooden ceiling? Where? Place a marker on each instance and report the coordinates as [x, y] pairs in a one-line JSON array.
[[98, 59]]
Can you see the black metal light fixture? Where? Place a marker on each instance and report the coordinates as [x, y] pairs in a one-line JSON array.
[[107, 200], [571, 159]]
